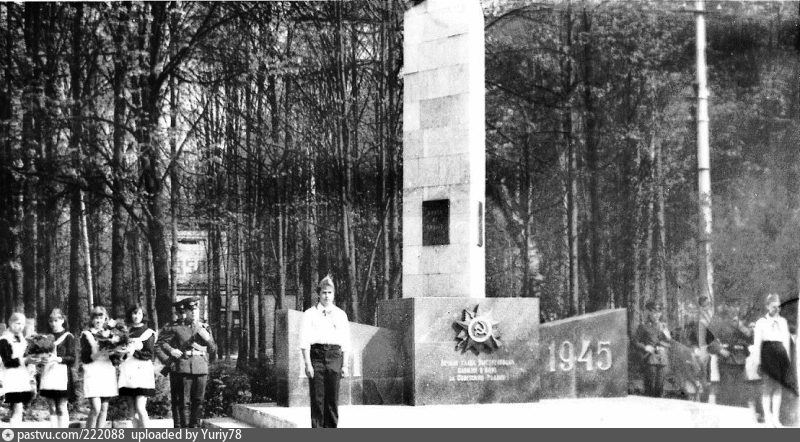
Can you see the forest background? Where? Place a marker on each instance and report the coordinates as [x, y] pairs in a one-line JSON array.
[[276, 127]]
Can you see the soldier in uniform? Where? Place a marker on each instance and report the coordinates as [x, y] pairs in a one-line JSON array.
[[175, 381], [188, 343], [731, 341], [653, 339]]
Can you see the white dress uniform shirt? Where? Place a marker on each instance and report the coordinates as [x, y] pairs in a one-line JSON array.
[[322, 325]]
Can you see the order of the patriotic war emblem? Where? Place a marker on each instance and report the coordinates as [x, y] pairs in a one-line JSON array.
[[477, 332]]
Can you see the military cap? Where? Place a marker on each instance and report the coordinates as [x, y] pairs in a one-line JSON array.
[[186, 302], [653, 306], [326, 282]]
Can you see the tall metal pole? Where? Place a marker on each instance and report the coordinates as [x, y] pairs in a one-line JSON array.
[[703, 166]]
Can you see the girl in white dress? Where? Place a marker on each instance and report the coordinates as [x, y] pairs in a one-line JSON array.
[[99, 374], [56, 383], [15, 375], [136, 372], [771, 341]]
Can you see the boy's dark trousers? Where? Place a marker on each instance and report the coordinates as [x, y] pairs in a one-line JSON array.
[[324, 386]]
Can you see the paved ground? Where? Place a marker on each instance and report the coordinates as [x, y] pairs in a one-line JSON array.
[[154, 423], [626, 412]]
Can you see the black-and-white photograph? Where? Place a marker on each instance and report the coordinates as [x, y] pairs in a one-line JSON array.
[[399, 214]]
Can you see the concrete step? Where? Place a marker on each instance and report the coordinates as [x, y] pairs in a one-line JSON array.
[[268, 415], [225, 422]]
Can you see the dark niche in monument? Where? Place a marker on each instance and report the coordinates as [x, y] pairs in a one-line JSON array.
[[436, 222]]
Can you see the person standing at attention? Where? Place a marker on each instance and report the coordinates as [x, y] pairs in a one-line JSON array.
[[170, 367], [136, 372], [325, 343], [772, 343], [57, 383], [653, 339], [99, 373], [190, 343], [14, 372]]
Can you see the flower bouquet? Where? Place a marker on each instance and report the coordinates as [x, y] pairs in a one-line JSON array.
[[114, 339], [40, 347]]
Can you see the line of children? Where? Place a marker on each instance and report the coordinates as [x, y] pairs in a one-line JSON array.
[[135, 382]]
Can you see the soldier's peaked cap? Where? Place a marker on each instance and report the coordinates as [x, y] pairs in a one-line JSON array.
[[186, 302], [654, 306], [326, 282]]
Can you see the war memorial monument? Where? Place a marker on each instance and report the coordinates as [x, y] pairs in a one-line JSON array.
[[444, 354]]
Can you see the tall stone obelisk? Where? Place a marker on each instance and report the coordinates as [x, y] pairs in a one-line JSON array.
[[458, 346], [443, 150]]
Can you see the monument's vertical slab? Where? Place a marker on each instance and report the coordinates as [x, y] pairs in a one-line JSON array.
[[585, 356], [443, 150]]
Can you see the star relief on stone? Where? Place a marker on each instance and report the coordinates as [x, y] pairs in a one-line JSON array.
[[477, 332]]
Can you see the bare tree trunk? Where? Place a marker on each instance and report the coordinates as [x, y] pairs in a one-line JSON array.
[[49, 208], [151, 296], [87, 252], [597, 290], [298, 260], [661, 244], [79, 305], [175, 190], [395, 179], [279, 299], [8, 183], [136, 286], [118, 217], [572, 172], [252, 295], [229, 266], [150, 159], [31, 141], [244, 310], [214, 290], [641, 216], [381, 113], [311, 251]]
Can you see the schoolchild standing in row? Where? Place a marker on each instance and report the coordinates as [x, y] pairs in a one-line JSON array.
[[56, 383], [15, 376], [772, 342], [136, 372], [99, 374]]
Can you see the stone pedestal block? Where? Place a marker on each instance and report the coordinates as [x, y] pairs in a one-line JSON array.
[[467, 350], [585, 356]]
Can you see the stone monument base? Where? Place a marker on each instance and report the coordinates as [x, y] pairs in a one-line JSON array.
[[466, 350]]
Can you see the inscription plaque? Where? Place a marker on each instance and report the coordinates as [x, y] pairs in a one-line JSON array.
[[436, 222]]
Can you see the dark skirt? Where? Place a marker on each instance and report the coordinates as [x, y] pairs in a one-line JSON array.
[[17, 397], [775, 362], [55, 394], [133, 392]]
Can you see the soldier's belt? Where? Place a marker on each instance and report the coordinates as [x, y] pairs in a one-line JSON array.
[[194, 353]]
